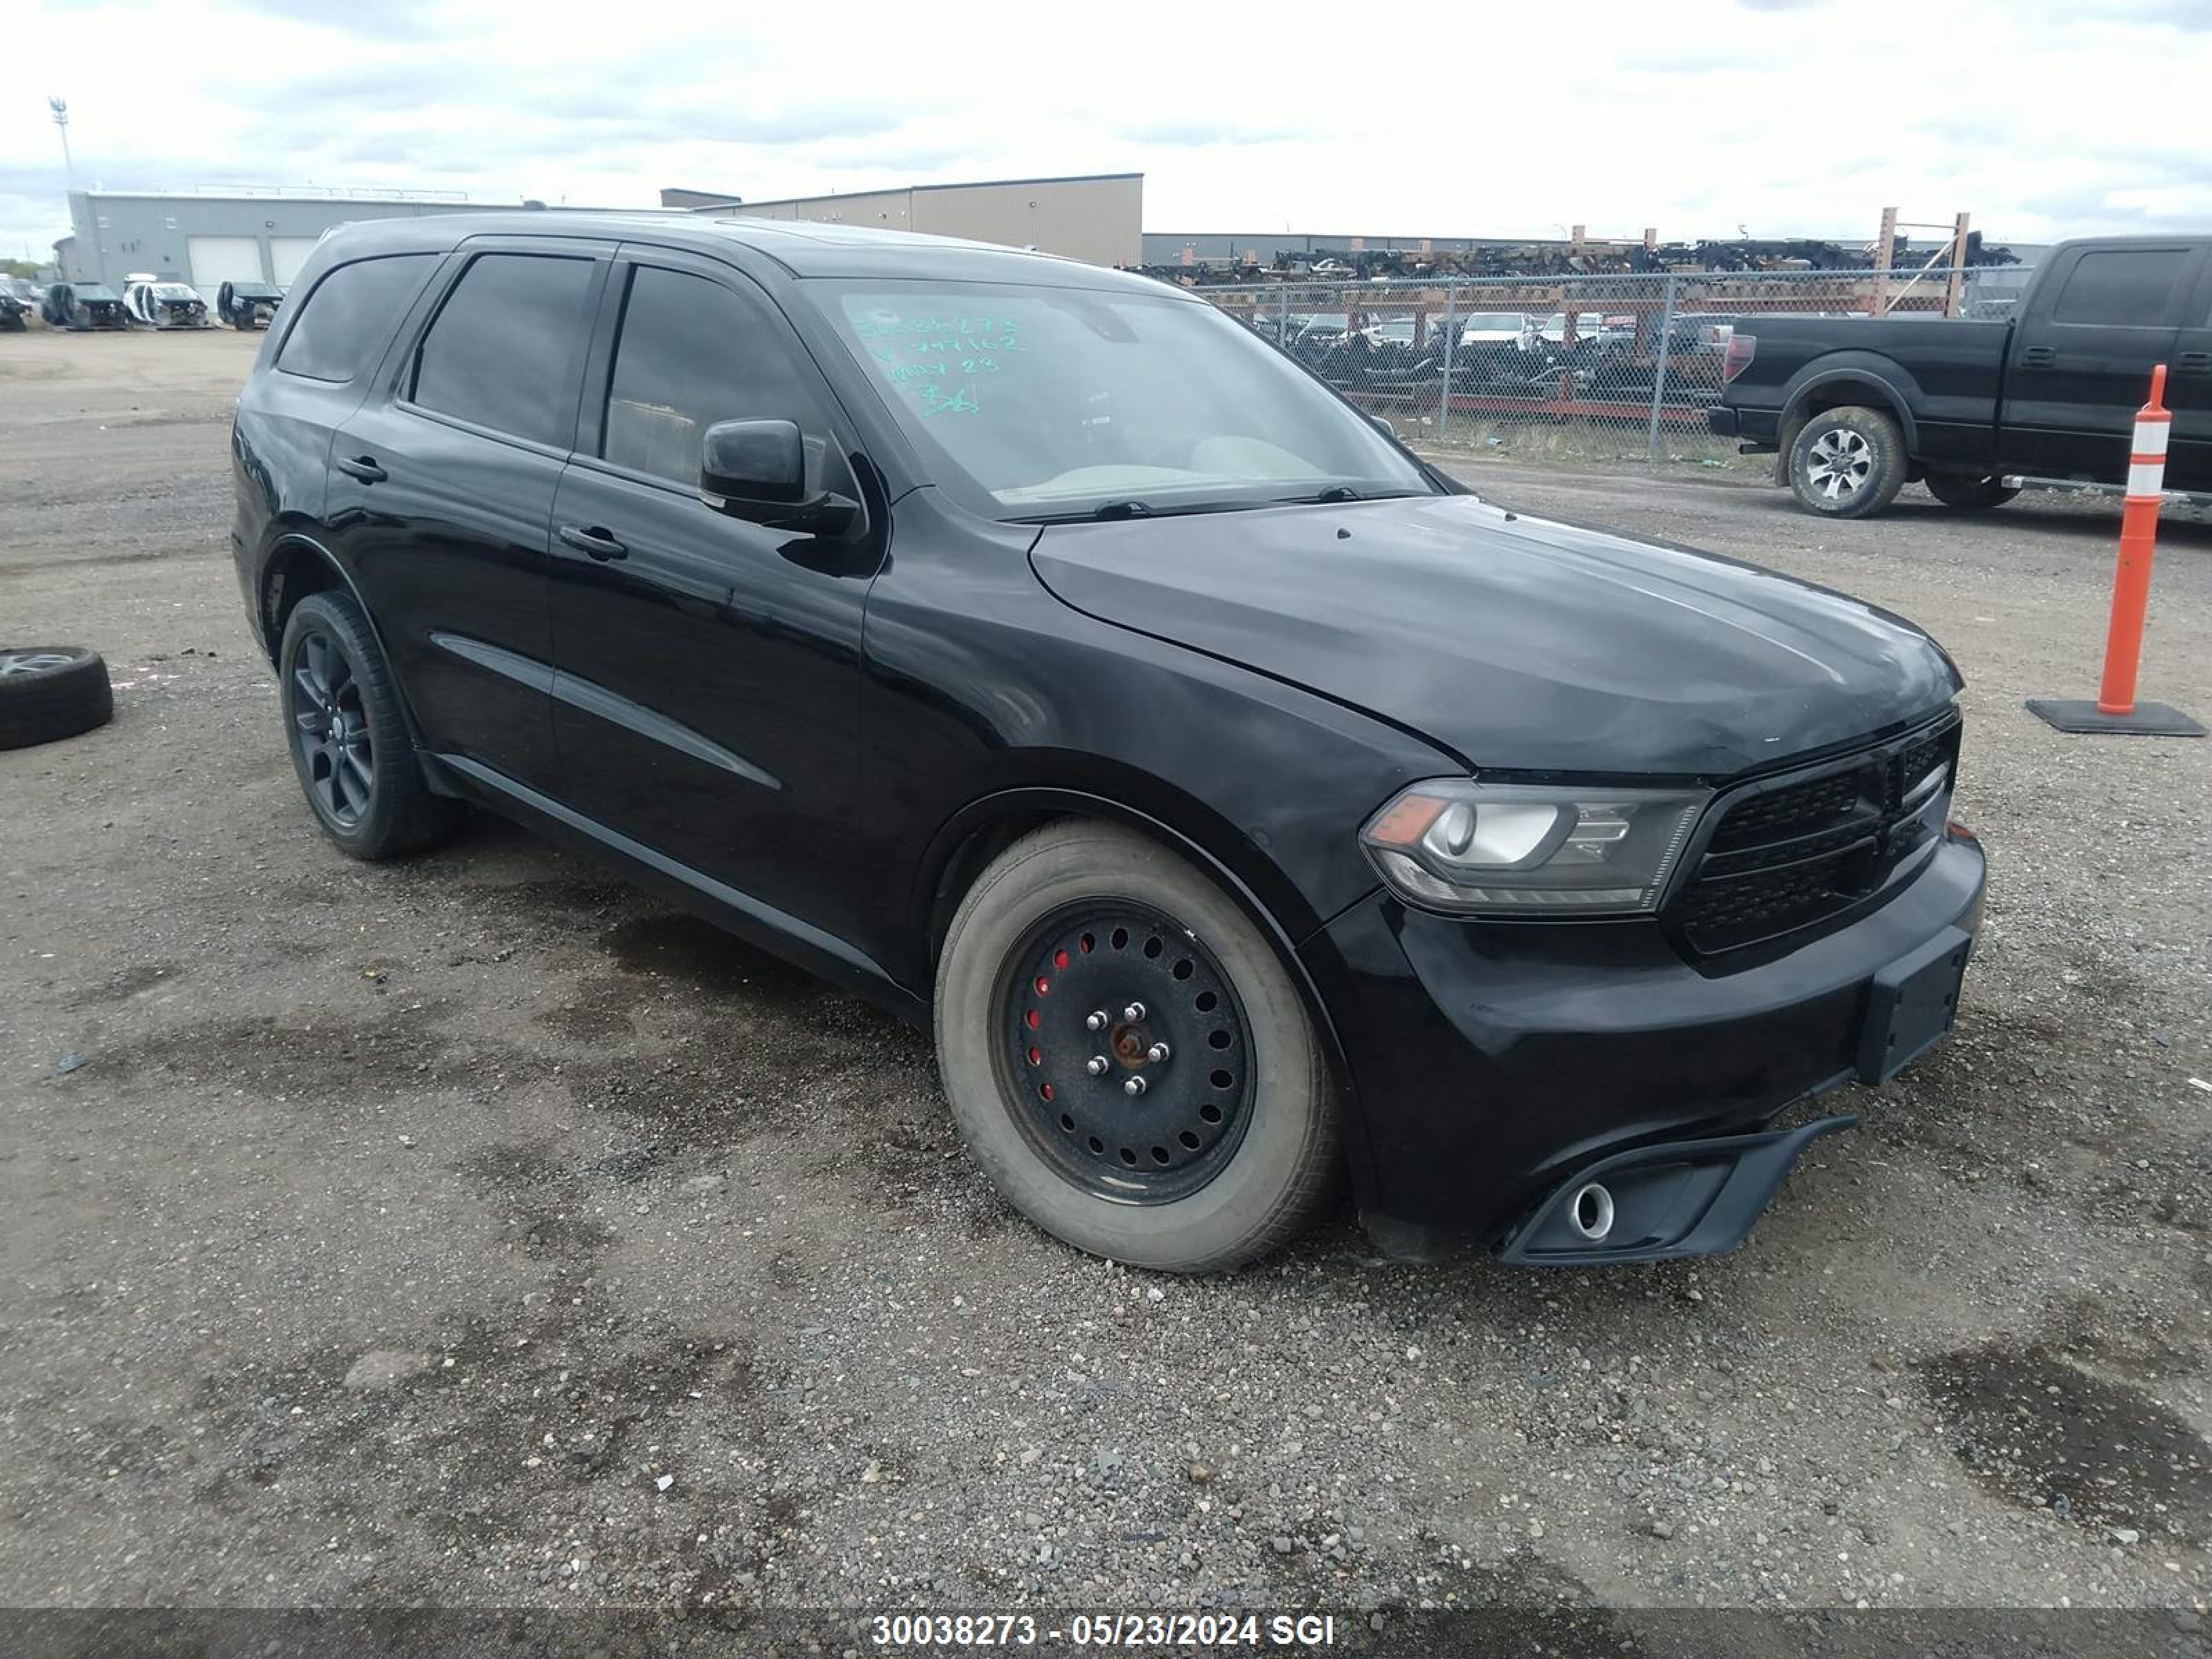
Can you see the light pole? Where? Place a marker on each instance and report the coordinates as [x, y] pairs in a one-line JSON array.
[[60, 108]]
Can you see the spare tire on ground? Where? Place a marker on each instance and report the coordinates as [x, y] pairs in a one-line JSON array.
[[51, 691]]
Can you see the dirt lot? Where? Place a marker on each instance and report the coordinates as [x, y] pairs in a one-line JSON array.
[[474, 1230]]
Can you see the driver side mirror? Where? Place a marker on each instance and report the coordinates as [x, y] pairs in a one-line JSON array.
[[756, 471]]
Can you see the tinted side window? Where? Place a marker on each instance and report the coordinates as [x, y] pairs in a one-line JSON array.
[[692, 353], [506, 346], [350, 314], [2121, 288]]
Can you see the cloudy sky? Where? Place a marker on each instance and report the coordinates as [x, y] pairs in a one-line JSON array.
[[2042, 117]]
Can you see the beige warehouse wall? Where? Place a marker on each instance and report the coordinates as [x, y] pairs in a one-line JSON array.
[[1100, 219], [882, 210]]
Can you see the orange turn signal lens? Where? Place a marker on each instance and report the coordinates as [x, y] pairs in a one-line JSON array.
[[1406, 821]]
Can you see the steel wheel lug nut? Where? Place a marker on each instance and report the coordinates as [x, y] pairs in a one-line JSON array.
[[1134, 1012], [1157, 1051], [1097, 1021], [1135, 1085], [1096, 1065]]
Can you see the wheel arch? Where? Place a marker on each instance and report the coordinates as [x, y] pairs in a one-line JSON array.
[[296, 566], [1847, 379], [968, 840]]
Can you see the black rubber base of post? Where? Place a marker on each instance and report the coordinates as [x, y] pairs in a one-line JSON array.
[[2145, 719]]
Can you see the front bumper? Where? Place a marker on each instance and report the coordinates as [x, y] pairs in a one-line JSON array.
[[1494, 1065]]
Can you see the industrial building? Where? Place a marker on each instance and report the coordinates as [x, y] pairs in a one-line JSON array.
[[1098, 217], [207, 239]]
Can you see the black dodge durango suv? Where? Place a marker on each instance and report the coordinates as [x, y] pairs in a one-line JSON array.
[[1030, 648]]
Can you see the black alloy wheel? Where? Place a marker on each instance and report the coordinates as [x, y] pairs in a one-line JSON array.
[[1129, 1052], [331, 731]]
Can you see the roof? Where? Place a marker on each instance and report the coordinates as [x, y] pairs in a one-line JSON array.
[[734, 200], [799, 247]]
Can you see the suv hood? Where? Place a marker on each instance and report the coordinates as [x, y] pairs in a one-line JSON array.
[[1516, 643]]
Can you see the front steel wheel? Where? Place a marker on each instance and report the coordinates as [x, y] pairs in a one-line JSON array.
[[1126, 1052], [1128, 1059]]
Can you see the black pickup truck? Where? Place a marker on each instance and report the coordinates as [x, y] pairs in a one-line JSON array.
[[1858, 407]]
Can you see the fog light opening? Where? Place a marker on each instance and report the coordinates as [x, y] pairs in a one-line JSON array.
[[1591, 1211]]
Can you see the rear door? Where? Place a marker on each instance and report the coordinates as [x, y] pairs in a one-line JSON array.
[[441, 492], [336, 335], [2098, 319], [708, 668]]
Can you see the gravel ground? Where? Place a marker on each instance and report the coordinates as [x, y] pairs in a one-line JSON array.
[[473, 1231]]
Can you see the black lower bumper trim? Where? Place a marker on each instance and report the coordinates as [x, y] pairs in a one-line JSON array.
[[1681, 1198]]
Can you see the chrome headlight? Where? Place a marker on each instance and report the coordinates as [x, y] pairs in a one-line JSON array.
[[1531, 849]]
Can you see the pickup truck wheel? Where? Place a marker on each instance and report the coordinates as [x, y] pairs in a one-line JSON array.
[[1127, 1058], [1952, 490], [1847, 463]]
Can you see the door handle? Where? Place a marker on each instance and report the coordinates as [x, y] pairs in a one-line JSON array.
[[594, 541], [2039, 357], [2193, 362], [363, 467]]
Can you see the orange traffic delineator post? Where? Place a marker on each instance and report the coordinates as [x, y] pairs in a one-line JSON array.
[[2115, 708]]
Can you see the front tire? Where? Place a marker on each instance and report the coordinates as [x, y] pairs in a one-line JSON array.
[[1226, 1146], [1847, 463], [356, 761], [1973, 494]]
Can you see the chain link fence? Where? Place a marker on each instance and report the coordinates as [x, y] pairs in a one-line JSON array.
[[1628, 361]]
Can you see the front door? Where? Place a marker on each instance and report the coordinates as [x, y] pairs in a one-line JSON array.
[[441, 492], [707, 694]]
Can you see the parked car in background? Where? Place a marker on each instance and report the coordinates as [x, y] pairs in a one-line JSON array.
[[1854, 408], [154, 302], [1589, 329], [1239, 799], [14, 313], [83, 305], [247, 306], [1498, 328]]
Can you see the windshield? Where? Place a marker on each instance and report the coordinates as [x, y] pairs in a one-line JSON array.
[[174, 291], [1496, 322], [1049, 403]]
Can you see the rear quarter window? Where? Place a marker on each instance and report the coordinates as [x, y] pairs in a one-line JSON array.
[[345, 321]]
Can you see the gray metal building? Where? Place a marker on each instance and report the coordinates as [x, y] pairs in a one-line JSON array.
[[207, 239], [1098, 217]]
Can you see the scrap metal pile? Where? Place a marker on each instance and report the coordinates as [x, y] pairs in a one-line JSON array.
[[1569, 260]]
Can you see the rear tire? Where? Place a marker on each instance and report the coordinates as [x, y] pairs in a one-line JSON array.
[[1953, 491], [356, 761], [1233, 1150], [1847, 463]]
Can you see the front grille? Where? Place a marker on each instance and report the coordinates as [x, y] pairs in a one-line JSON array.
[[1791, 853]]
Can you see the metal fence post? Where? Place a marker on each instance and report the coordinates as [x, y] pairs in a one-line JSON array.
[[1451, 339], [1659, 375], [1283, 317]]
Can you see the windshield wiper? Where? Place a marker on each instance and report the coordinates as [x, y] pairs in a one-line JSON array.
[[1338, 493], [1137, 509]]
